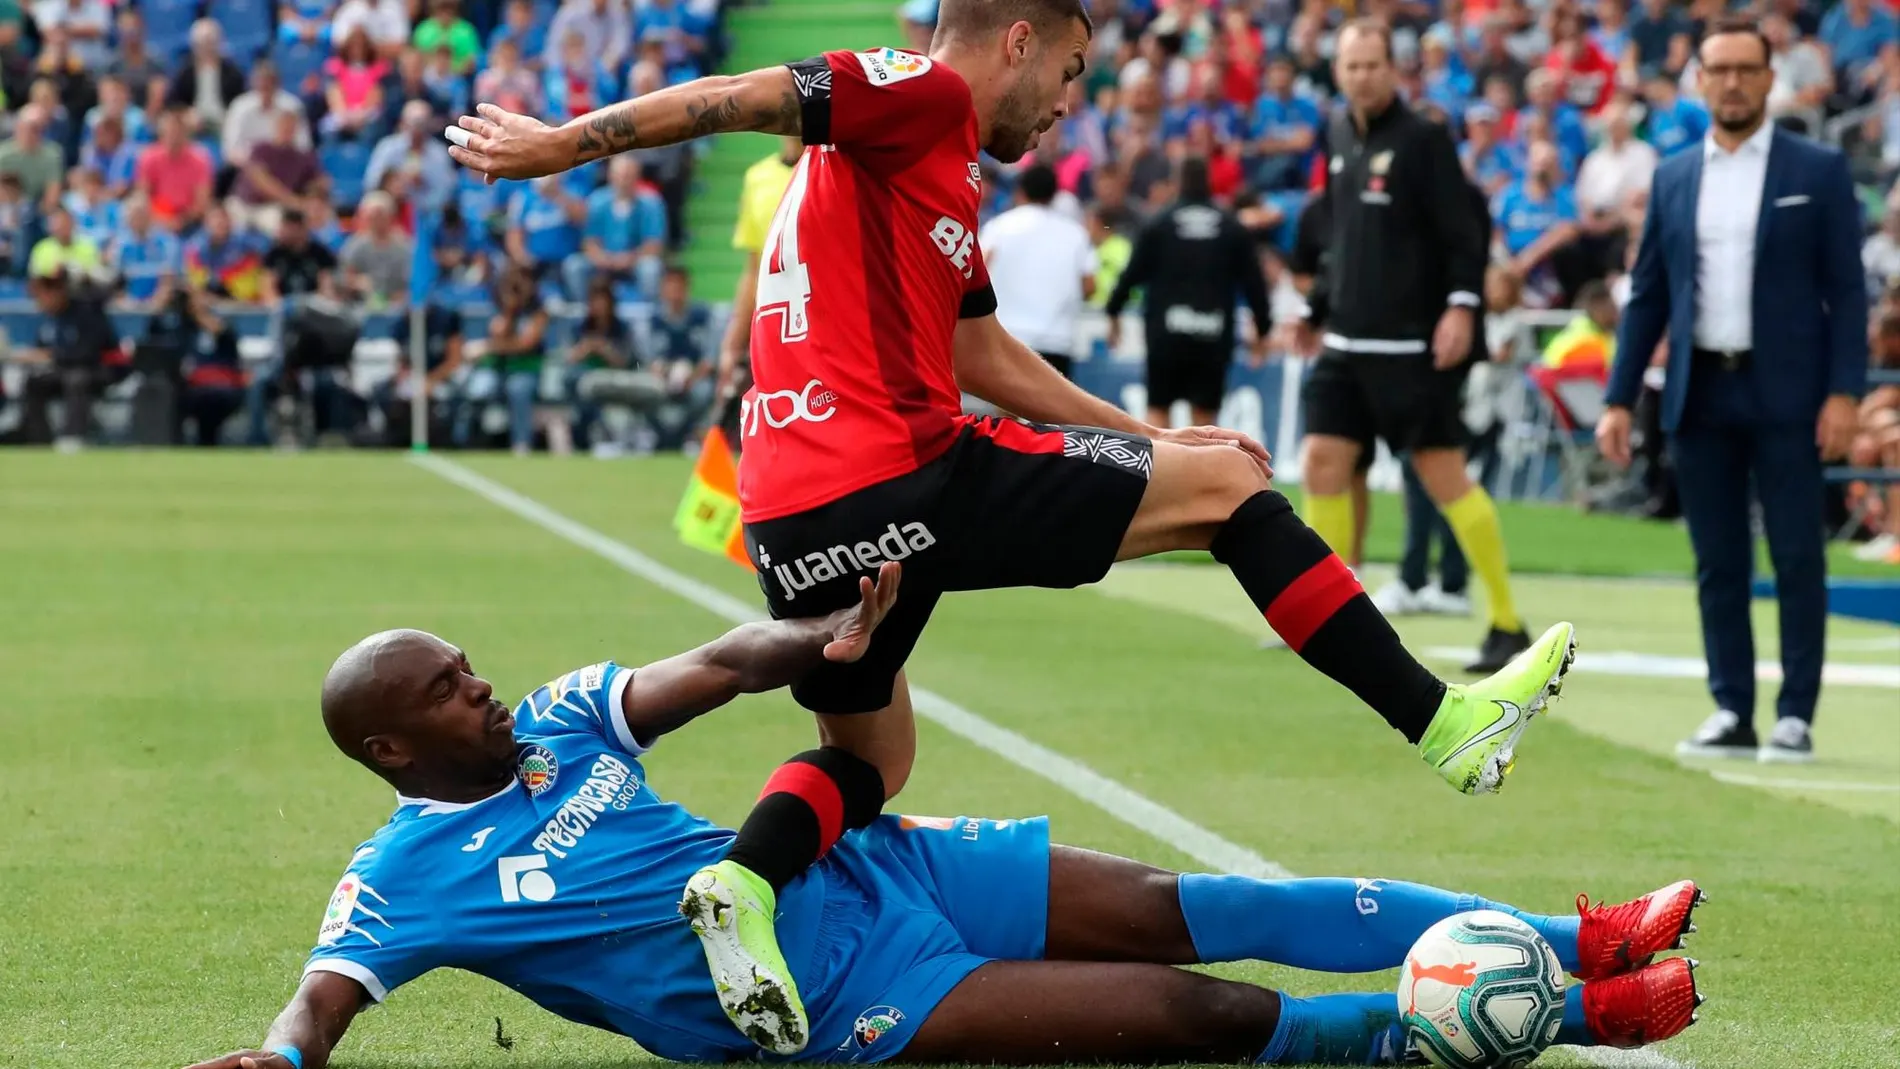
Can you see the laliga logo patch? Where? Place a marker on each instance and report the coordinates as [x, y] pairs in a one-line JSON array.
[[888, 66], [873, 1023], [341, 910], [537, 768]]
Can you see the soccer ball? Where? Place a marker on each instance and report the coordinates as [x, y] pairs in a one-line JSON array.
[[1481, 990]]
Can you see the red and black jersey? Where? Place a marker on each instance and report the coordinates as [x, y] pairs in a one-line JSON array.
[[869, 263]]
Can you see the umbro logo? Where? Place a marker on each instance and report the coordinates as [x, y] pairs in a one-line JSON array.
[[812, 82]]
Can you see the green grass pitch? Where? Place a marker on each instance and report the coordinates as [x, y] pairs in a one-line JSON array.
[[172, 817]]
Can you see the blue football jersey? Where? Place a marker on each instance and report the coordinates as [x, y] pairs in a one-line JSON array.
[[564, 886]]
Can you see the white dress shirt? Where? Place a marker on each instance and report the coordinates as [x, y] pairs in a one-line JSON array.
[[1726, 211], [1037, 258]]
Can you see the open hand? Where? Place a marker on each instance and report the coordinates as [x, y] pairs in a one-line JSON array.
[[851, 628], [1834, 431], [1613, 436], [1202, 437], [501, 144]]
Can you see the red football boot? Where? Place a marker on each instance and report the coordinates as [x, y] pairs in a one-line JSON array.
[[1646, 1006], [1617, 939]]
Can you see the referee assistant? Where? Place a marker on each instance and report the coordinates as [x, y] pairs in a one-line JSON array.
[[1398, 301]]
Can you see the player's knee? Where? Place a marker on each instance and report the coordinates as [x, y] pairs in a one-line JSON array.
[[1232, 477]]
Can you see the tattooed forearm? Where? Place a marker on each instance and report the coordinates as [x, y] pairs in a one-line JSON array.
[[606, 132], [714, 116], [787, 118]]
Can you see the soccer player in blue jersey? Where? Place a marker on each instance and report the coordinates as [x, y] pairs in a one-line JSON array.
[[530, 848]]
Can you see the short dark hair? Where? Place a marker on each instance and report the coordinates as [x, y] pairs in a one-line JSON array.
[[1192, 176], [1735, 24], [972, 19], [675, 269], [1376, 27], [1038, 184]]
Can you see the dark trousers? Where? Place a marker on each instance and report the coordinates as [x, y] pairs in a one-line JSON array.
[[1719, 450], [1425, 524], [74, 386]]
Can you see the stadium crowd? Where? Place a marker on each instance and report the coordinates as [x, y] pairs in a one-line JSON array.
[[204, 157]]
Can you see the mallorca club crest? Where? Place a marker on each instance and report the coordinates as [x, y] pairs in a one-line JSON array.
[[873, 1023], [536, 768]]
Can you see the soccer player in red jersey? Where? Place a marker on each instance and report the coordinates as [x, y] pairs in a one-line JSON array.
[[874, 313]]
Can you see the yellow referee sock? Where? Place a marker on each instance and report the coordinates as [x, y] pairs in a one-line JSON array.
[[1474, 522], [1330, 516]]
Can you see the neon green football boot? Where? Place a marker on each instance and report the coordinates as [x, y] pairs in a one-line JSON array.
[[730, 910], [1472, 740]]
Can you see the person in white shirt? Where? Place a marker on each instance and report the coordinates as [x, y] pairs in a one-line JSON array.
[[252, 118], [385, 21], [1622, 165], [1043, 266]]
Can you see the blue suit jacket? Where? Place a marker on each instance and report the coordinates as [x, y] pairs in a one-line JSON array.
[[1810, 293]]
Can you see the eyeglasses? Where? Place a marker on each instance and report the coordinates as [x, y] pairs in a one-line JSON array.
[[1723, 71]]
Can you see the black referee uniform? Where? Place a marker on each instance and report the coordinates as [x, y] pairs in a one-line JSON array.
[[1407, 237], [1192, 259]]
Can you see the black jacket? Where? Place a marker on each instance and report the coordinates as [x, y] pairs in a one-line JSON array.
[[1192, 259], [1406, 233]]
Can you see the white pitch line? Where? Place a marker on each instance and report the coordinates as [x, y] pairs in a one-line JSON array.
[[1132, 808], [1795, 784], [1658, 666]]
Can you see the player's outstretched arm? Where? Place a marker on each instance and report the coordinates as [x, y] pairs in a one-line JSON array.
[[314, 1023], [753, 658], [501, 144]]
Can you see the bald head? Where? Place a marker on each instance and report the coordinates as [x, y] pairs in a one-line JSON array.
[[374, 681]]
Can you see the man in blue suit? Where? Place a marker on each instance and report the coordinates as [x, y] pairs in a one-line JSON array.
[[1750, 263]]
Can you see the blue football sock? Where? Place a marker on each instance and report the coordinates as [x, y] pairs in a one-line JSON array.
[[1573, 1032], [1336, 1030], [1333, 925]]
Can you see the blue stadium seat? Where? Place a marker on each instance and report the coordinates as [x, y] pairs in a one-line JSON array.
[[247, 27], [298, 61], [344, 162], [168, 27]]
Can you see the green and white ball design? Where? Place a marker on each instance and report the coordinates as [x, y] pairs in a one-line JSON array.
[[1481, 990]]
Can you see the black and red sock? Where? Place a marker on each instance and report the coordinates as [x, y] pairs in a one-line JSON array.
[[1313, 601], [808, 802]]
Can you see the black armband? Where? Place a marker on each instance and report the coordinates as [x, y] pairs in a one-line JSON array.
[[978, 303], [811, 79]]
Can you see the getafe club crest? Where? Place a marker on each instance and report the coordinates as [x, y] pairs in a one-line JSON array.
[[874, 1022], [536, 768]]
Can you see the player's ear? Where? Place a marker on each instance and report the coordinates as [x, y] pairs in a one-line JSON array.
[[386, 752], [1020, 42]]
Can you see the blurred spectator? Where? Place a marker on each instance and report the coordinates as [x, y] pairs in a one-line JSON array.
[[1112, 253], [1617, 169], [67, 361], [1042, 265], [131, 63], [252, 118], [1854, 32], [414, 81], [624, 236], [95, 212], [383, 23], [447, 85], [446, 26], [354, 96], [507, 83], [115, 102], [296, 266], [304, 21], [1585, 75], [1674, 123], [605, 29], [601, 343], [223, 261], [682, 341], [18, 218], [1611, 34], [1877, 440], [72, 86], [1588, 341], [377, 258], [188, 343], [576, 82], [1881, 254], [29, 156], [142, 254], [545, 221], [413, 163], [207, 82], [510, 365], [1543, 99], [63, 251], [1659, 40], [1803, 78], [522, 26], [1493, 60], [60, 128], [278, 175], [176, 174], [667, 168], [1537, 215], [681, 33], [108, 155], [1286, 127], [84, 23], [1488, 163]]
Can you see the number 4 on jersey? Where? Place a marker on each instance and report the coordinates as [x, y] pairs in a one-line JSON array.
[[784, 281]]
